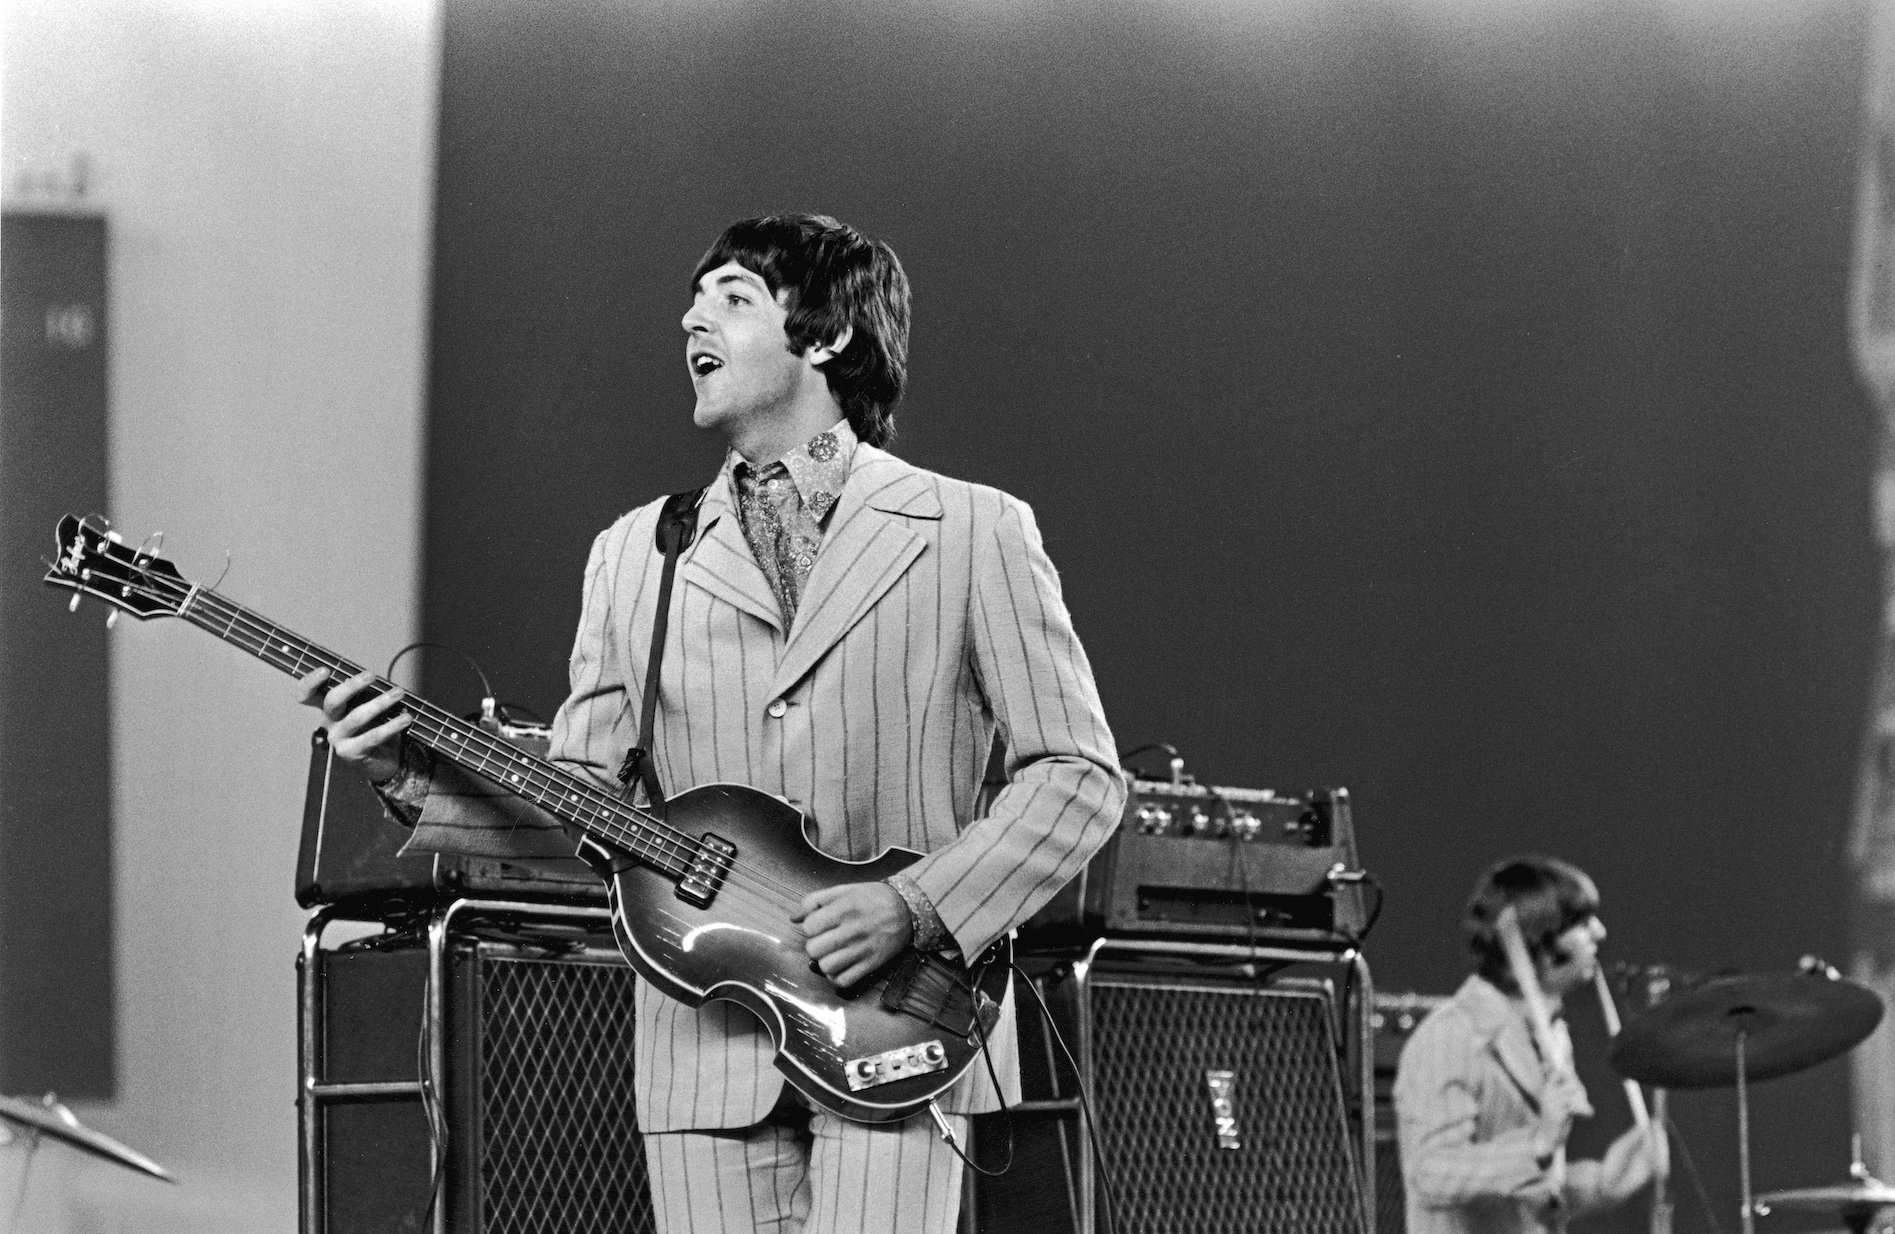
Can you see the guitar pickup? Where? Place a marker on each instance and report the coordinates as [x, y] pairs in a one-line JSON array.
[[892, 1065], [709, 867]]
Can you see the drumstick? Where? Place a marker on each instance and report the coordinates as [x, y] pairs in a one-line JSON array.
[[1539, 1019], [1634, 1095]]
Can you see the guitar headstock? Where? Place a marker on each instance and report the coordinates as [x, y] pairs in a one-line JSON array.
[[93, 561]]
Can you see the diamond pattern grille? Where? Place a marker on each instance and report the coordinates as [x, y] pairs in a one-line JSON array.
[[1294, 1172], [560, 1152]]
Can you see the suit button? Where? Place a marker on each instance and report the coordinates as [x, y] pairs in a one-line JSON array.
[[777, 709]]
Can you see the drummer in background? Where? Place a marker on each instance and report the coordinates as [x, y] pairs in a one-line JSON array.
[[1480, 1116]]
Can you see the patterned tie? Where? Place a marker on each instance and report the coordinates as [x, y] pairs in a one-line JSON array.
[[782, 536]]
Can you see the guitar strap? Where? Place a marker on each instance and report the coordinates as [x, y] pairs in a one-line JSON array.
[[677, 527]]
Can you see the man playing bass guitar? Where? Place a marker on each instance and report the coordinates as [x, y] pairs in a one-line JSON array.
[[847, 632]]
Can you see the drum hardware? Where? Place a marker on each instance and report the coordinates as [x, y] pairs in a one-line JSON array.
[[1735, 1029], [1855, 1203]]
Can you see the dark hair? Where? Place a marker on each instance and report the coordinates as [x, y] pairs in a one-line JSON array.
[[835, 277], [1548, 895]]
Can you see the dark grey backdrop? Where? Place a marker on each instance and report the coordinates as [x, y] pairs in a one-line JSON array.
[[1453, 405], [56, 912]]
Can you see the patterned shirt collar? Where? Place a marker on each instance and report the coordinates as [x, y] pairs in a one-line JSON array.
[[818, 468]]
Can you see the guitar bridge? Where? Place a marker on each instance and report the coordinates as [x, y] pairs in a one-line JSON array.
[[708, 870]]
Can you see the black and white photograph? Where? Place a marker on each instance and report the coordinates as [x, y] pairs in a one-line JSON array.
[[947, 616]]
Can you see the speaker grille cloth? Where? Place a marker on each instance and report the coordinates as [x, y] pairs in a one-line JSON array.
[[1294, 1172], [560, 1152]]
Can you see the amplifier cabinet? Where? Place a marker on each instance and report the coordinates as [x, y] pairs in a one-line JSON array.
[[1227, 1086], [473, 1075], [1393, 1021]]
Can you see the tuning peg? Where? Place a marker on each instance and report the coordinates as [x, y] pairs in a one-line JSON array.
[[111, 619], [74, 606]]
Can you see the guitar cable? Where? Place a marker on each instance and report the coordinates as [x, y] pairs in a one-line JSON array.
[[946, 1129], [1175, 764], [431, 1106], [487, 695], [1109, 1209]]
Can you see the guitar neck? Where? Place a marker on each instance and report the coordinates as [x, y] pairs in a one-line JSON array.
[[571, 798]]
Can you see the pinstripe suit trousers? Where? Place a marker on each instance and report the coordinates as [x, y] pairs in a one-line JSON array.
[[804, 1172]]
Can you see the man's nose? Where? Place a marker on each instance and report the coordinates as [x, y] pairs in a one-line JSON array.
[[694, 322]]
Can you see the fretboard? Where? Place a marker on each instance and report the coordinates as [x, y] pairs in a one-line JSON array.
[[571, 798]]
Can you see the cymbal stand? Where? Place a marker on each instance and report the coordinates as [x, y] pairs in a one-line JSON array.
[[1743, 1135], [1857, 1222], [1661, 1182]]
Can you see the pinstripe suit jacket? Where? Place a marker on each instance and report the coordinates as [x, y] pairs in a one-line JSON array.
[[931, 620], [1467, 1100]]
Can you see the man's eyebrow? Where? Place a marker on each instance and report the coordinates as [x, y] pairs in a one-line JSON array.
[[743, 277]]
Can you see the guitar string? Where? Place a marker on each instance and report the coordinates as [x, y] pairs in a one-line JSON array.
[[261, 643], [665, 842], [652, 839]]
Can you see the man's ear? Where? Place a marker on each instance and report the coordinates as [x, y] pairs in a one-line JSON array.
[[822, 353]]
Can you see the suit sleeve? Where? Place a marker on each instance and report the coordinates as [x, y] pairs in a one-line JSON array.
[[467, 814], [1063, 793], [596, 724]]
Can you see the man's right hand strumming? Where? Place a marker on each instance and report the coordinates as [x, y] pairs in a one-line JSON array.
[[362, 731]]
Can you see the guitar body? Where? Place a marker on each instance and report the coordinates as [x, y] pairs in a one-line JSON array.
[[875, 1052]]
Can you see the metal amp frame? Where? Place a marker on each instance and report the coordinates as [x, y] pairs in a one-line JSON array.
[[318, 1094]]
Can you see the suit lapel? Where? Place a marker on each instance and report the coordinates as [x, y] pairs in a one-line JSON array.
[[720, 560], [869, 546], [1514, 1047], [1494, 1018]]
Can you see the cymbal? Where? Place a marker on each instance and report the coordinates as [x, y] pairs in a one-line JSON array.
[[56, 1120], [1789, 1021], [1870, 1193]]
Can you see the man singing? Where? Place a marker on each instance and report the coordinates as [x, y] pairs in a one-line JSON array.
[[848, 632]]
